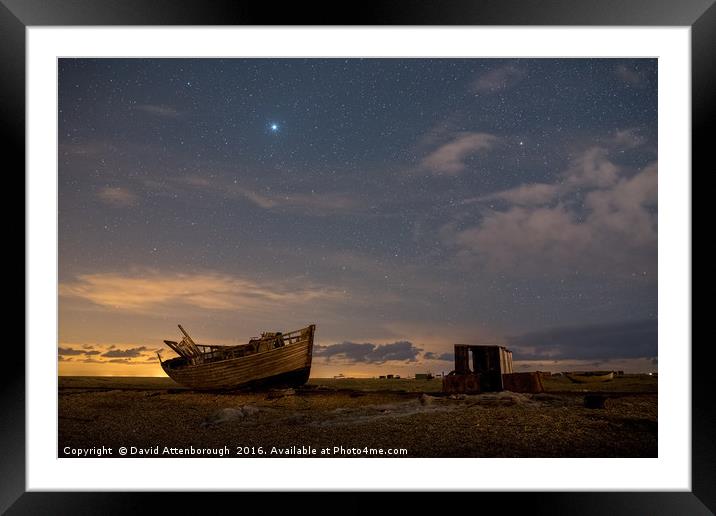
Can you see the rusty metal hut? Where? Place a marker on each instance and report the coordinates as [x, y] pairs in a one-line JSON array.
[[491, 371]]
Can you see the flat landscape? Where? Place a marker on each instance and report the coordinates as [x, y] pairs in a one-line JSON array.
[[98, 416]]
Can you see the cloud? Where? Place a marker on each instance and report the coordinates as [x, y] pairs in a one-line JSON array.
[[69, 351], [311, 203], [92, 352], [124, 353], [630, 339], [445, 357], [626, 209], [122, 361], [319, 203], [628, 138], [544, 236], [403, 351], [159, 110], [524, 195], [117, 196], [211, 290], [630, 75], [450, 158], [592, 169], [596, 215], [259, 200], [499, 79], [85, 148]]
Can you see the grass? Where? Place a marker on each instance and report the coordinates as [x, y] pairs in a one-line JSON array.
[[117, 382], [628, 383], [374, 384]]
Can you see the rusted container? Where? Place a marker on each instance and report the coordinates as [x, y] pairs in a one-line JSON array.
[[523, 382], [461, 384], [489, 363]]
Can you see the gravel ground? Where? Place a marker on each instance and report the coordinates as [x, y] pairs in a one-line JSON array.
[[322, 421]]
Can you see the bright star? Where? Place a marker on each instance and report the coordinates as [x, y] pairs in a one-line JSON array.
[[274, 127]]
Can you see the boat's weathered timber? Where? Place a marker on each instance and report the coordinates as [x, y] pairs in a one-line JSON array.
[[288, 363]]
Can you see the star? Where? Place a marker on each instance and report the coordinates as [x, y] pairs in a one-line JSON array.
[[274, 127]]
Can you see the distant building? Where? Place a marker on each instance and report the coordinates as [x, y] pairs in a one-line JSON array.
[[424, 376], [381, 377], [389, 376]]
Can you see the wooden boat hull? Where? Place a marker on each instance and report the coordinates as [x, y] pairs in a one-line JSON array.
[[287, 365], [585, 378]]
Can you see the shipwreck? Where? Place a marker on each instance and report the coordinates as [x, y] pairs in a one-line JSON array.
[[274, 358]]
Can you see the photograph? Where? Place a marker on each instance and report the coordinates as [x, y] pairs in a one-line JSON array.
[[363, 257]]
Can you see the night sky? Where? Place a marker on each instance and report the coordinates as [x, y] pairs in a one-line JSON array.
[[401, 205]]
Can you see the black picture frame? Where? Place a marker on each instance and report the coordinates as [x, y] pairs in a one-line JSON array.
[[700, 15]]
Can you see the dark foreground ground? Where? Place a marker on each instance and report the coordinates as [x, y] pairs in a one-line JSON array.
[[154, 417]]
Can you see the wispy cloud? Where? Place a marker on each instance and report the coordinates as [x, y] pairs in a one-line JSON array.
[[159, 110], [629, 74], [451, 157], [592, 169], [309, 203], [523, 195], [609, 218], [628, 138], [87, 148], [499, 79], [210, 291], [117, 196]]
